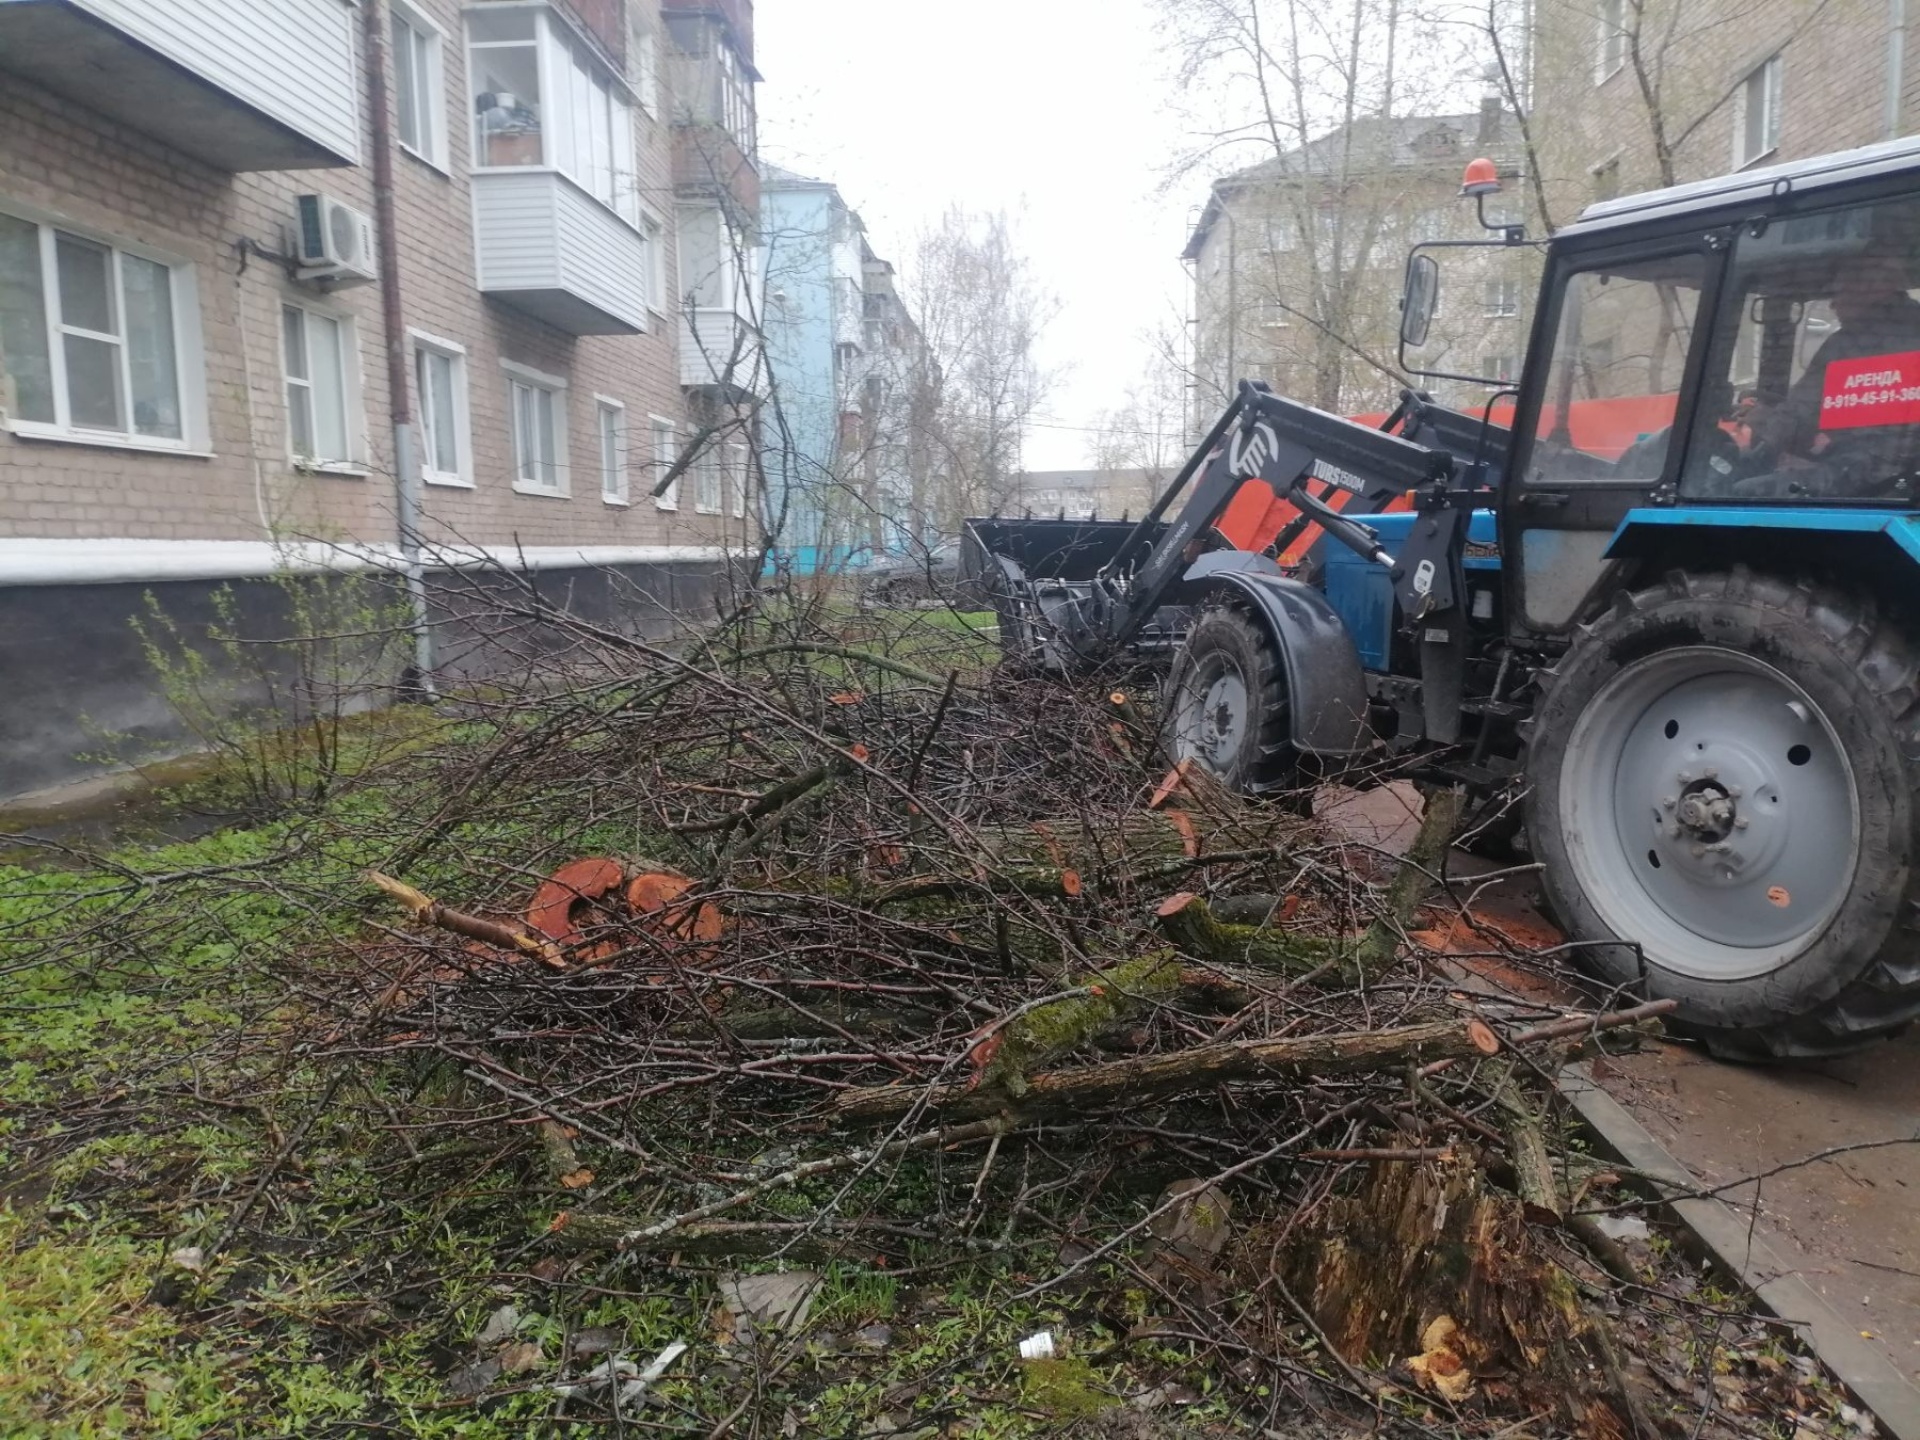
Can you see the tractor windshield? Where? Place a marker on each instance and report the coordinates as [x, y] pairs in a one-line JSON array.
[[1812, 386], [1619, 351]]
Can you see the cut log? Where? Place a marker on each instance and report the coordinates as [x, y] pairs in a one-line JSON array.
[[1413, 882], [1150, 1076], [1006, 1052], [1190, 923], [1533, 1173], [1128, 851]]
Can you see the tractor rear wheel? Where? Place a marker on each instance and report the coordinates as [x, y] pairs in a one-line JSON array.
[[1226, 703], [1722, 774]]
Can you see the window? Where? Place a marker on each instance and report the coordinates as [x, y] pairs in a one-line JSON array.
[[707, 484], [321, 360], [654, 267], [1811, 389], [1503, 298], [440, 388], [542, 98], [1620, 347], [709, 259], [665, 452], [1756, 130], [95, 339], [737, 478], [1611, 50], [1499, 367], [419, 95], [736, 97], [610, 428], [537, 427], [646, 71]]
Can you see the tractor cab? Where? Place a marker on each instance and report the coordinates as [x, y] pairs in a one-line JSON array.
[[1728, 356]]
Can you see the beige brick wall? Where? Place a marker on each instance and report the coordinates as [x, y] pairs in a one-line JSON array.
[[1693, 55], [68, 163]]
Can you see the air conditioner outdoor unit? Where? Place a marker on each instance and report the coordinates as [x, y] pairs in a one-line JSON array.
[[334, 242]]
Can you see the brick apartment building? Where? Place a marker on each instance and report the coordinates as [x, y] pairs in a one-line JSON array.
[[1630, 95], [1296, 265], [553, 298]]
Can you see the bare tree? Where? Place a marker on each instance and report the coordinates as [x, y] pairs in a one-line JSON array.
[[1146, 431], [1350, 122], [979, 312]]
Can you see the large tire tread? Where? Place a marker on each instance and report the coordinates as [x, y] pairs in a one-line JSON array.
[[1882, 995], [1269, 763]]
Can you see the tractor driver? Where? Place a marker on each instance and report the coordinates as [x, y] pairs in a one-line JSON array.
[[1805, 430]]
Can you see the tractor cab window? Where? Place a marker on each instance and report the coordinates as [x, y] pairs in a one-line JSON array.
[[1613, 382], [1813, 383]]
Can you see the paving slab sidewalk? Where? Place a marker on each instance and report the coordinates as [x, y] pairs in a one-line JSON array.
[[1846, 1227]]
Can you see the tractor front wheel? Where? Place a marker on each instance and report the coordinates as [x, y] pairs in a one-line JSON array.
[[1722, 778], [1226, 703]]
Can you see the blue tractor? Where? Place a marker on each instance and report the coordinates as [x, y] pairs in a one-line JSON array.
[[1663, 599]]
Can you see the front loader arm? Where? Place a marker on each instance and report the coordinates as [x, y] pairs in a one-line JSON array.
[[1260, 436]]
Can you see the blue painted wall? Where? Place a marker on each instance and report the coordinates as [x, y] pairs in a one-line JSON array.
[[798, 225]]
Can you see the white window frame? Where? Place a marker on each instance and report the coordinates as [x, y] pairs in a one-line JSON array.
[[659, 427], [352, 406], [526, 377], [461, 477], [1610, 40], [613, 469], [430, 87], [1502, 297], [646, 71], [653, 228], [563, 60], [1767, 79], [189, 354], [734, 473], [708, 476]]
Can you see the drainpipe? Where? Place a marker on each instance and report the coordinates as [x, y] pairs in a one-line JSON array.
[[1896, 65], [417, 682]]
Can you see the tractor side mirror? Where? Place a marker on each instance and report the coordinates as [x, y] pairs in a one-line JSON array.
[[1419, 300]]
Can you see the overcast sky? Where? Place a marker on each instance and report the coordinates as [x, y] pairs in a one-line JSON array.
[[1053, 110]]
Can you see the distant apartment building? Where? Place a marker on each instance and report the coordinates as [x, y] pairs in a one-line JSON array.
[[1297, 265], [847, 467], [218, 336], [1113, 494], [1631, 96]]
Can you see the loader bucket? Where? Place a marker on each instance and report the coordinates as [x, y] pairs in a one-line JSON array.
[[1043, 549]]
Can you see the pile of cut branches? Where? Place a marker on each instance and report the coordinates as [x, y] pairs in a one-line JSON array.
[[843, 944]]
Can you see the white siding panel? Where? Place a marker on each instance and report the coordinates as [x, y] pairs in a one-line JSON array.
[[602, 259], [717, 347], [537, 231], [515, 232], [291, 59]]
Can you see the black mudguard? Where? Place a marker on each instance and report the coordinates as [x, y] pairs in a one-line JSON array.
[[1326, 687]]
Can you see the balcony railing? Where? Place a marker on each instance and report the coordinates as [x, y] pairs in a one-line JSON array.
[[721, 350], [547, 247], [238, 84]]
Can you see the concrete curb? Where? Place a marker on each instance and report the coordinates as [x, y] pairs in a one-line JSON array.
[[1876, 1382]]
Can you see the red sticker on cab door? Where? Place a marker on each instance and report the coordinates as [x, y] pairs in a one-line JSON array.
[[1873, 390]]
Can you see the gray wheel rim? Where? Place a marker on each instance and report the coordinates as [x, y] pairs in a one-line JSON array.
[[1710, 813], [1212, 720]]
